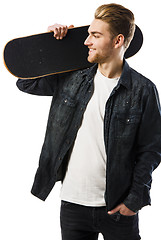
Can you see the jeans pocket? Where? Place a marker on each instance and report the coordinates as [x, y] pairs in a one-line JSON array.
[[116, 216], [125, 216]]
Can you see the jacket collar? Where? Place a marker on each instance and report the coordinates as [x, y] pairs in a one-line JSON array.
[[125, 78]]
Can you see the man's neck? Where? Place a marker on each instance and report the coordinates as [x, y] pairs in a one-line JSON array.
[[112, 69]]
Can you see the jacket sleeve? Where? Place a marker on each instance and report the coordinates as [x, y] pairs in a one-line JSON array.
[[45, 86], [148, 153]]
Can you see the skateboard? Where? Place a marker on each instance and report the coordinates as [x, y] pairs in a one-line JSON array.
[[42, 55]]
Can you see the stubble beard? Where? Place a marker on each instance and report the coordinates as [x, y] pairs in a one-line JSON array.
[[95, 59], [100, 58]]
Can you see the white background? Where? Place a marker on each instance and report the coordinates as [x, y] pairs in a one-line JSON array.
[[23, 117]]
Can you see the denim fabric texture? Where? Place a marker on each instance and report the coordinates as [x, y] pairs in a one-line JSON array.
[[85, 223], [132, 133]]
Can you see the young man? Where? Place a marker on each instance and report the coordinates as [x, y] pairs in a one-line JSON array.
[[103, 134]]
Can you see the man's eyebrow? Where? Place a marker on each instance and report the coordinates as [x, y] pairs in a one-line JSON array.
[[95, 32]]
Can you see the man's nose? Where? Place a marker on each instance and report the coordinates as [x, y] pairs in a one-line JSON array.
[[87, 41]]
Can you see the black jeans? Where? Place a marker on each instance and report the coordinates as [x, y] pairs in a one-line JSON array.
[[85, 223]]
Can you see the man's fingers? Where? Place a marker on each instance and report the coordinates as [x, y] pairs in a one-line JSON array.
[[60, 31], [114, 210], [71, 26], [123, 210], [63, 31]]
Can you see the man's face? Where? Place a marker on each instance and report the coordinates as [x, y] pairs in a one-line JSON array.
[[99, 42]]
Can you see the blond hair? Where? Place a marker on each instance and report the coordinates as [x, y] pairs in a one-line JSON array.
[[120, 20]]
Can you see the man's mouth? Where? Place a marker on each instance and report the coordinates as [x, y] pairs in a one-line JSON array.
[[91, 50]]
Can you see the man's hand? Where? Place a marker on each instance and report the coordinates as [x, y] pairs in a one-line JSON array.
[[59, 30], [123, 210]]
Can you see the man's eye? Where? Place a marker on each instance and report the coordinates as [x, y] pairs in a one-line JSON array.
[[96, 36]]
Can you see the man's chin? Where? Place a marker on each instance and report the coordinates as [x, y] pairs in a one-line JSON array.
[[91, 60]]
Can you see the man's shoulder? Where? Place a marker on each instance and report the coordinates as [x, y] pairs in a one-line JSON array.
[[140, 79], [90, 71]]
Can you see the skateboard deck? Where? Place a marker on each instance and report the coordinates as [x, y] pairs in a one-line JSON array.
[[41, 55]]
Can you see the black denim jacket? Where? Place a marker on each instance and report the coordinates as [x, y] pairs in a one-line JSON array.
[[132, 133]]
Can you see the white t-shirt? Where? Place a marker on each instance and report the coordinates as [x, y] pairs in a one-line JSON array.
[[85, 179]]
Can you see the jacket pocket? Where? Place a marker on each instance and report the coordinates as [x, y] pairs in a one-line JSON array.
[[126, 124], [65, 110]]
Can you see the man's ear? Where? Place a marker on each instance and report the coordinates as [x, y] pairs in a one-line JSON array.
[[119, 40]]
